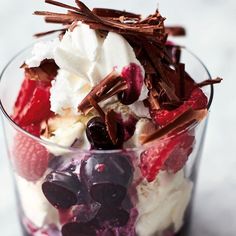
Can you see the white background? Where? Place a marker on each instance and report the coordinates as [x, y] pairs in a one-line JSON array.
[[211, 35]]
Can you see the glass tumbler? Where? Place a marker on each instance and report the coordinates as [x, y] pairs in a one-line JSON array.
[[79, 192]]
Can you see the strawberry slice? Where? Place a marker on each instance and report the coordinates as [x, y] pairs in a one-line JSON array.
[[197, 100], [27, 88], [32, 104], [30, 157], [33, 129], [170, 155], [38, 107]]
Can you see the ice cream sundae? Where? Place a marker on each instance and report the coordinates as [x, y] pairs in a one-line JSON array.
[[109, 114]]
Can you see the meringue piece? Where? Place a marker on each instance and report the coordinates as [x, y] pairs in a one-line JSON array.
[[65, 131], [67, 91], [42, 51], [77, 50], [67, 136], [162, 203], [116, 53]]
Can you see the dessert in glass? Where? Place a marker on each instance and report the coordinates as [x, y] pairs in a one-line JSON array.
[[105, 125]]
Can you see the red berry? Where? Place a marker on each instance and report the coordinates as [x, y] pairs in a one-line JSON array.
[[197, 101], [33, 129], [27, 88], [32, 104], [180, 153], [170, 155], [30, 157], [38, 107]]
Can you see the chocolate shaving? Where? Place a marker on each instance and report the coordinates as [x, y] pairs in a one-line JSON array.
[[188, 117], [111, 125], [153, 101], [49, 32], [59, 4], [105, 12], [96, 107], [100, 91], [175, 30], [209, 82], [181, 72]]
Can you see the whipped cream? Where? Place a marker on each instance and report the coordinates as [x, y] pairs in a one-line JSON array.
[[42, 51], [67, 91], [162, 203], [34, 205], [85, 58]]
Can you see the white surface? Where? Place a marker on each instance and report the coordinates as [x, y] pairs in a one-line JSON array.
[[211, 34]]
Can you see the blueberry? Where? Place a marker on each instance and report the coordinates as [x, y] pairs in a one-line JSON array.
[[78, 229], [98, 136], [62, 189]]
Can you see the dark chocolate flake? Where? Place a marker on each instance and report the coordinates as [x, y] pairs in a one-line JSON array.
[[111, 124], [188, 117], [209, 82]]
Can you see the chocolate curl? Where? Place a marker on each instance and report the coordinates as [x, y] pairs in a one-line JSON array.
[[111, 125], [175, 30], [38, 35], [100, 90], [188, 117], [96, 107], [59, 4], [209, 82], [111, 13]]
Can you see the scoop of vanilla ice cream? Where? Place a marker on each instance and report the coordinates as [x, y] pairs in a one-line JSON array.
[[162, 203], [34, 204]]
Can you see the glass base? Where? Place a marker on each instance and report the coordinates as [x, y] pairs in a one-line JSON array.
[[183, 232]]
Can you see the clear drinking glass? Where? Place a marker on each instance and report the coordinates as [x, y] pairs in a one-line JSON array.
[[102, 192]]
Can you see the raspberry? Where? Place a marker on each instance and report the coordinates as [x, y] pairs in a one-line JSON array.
[[170, 155], [180, 153], [197, 101], [30, 157]]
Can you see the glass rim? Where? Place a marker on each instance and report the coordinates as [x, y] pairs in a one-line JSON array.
[[84, 151]]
